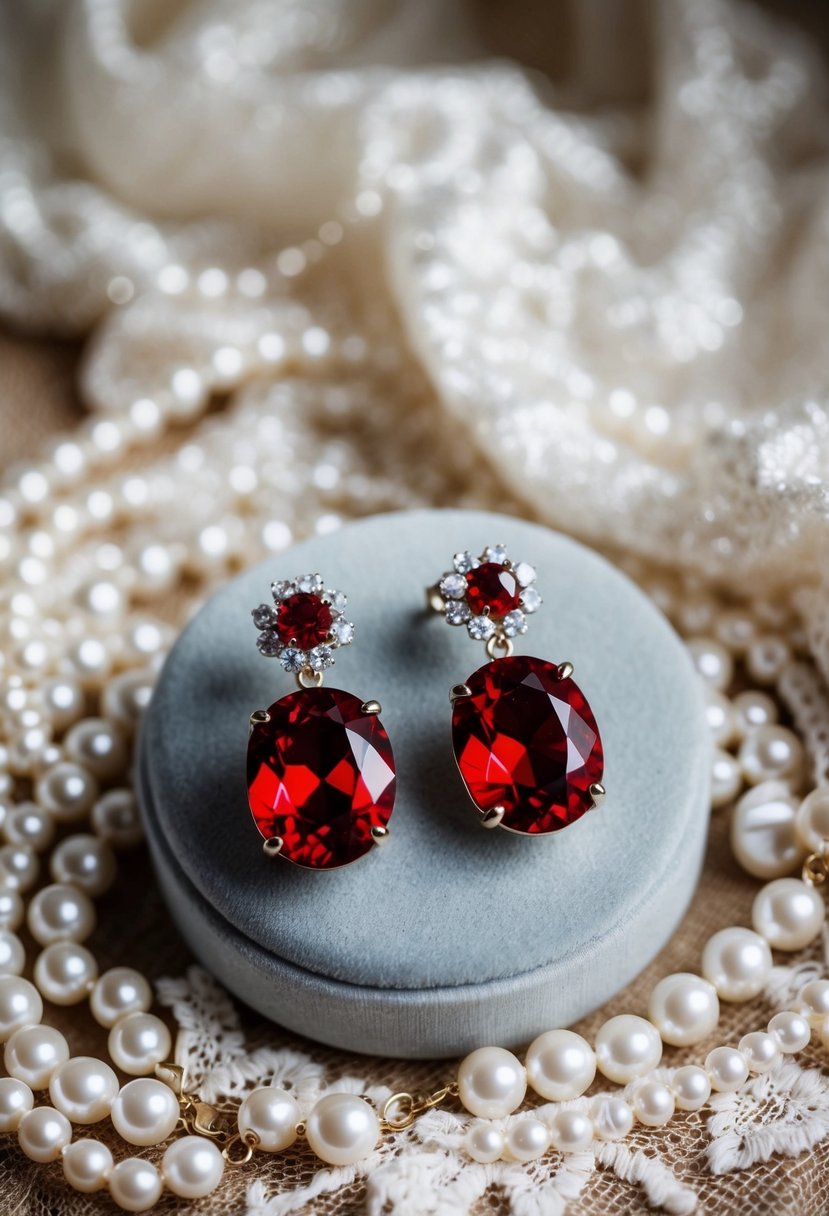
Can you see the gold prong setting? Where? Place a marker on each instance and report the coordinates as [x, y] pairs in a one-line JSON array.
[[380, 835], [371, 707], [458, 692], [597, 793], [272, 847], [492, 818]]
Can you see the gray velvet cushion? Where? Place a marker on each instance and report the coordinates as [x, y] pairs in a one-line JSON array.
[[450, 935]]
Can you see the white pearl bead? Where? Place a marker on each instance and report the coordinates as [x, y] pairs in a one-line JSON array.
[[653, 1103], [145, 1111], [526, 1140], [570, 1131], [760, 1050], [788, 913], [684, 1009], [135, 1185], [766, 658], [85, 861], [29, 824], [753, 708], [20, 1005], [692, 1087], [560, 1065], [770, 753], [712, 662], [43, 1132], [812, 821], [83, 1089], [19, 867], [268, 1117], [813, 1001], [116, 819], [790, 1031], [484, 1142], [727, 1068], [63, 701], [11, 909], [763, 836], [99, 746], [137, 1042], [16, 1098], [735, 630], [87, 1165], [12, 954], [120, 990], [737, 962], [65, 973], [60, 913], [126, 696], [67, 791], [726, 778], [192, 1167], [626, 1047], [33, 1053], [492, 1082], [342, 1129], [612, 1117], [720, 717]]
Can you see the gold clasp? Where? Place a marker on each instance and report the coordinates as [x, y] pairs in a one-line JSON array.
[[816, 866], [401, 1109]]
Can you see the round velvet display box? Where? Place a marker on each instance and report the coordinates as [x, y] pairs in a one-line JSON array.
[[449, 936]]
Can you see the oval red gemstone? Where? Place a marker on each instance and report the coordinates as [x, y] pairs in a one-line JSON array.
[[303, 619], [527, 741], [492, 586], [320, 776]]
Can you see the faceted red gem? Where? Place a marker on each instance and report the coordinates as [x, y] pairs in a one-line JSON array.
[[492, 586], [320, 776], [527, 741], [304, 619]]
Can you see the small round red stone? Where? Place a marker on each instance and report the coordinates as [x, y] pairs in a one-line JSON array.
[[492, 586], [321, 775], [527, 741], [303, 619]]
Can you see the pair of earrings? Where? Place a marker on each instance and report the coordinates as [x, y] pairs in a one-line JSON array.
[[321, 773]]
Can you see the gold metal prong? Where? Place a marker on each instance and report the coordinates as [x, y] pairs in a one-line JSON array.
[[458, 691], [273, 846], [434, 600], [564, 671], [597, 792], [380, 835], [258, 718], [371, 707], [492, 817]]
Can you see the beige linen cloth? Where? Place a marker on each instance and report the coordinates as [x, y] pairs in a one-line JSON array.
[[596, 292]]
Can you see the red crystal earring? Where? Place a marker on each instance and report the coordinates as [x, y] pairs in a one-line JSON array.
[[525, 739], [321, 776]]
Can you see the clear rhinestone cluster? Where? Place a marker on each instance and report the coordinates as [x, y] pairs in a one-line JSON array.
[[294, 657]]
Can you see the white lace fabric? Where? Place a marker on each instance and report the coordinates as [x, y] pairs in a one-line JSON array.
[[405, 273]]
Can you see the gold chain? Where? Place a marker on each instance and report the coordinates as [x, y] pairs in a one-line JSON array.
[[401, 1109], [219, 1121], [816, 866]]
